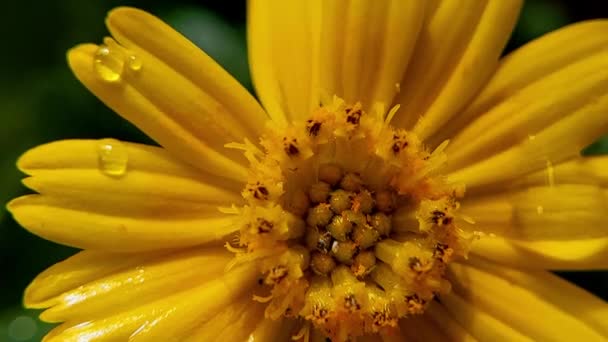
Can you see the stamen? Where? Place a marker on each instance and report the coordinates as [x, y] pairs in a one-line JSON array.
[[350, 221]]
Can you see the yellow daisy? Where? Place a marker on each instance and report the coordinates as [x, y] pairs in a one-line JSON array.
[[398, 181]]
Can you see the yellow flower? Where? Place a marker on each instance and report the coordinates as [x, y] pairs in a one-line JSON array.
[[410, 183]]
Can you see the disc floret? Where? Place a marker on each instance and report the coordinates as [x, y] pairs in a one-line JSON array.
[[351, 220]]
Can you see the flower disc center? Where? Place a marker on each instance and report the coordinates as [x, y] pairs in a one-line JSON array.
[[345, 221], [350, 221]]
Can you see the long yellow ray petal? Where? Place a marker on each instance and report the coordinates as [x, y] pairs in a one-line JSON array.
[[525, 113], [473, 67], [232, 324], [498, 290], [444, 321], [457, 50], [561, 212], [144, 283], [172, 118], [379, 39], [74, 169], [583, 170], [482, 325], [558, 142], [70, 223], [271, 55], [172, 315], [142, 32], [357, 50], [81, 268], [199, 308], [584, 254], [421, 329], [530, 63]]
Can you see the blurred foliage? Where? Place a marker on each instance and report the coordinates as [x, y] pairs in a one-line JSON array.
[[41, 101]]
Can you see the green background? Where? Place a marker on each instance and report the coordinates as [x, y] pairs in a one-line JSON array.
[[41, 101]]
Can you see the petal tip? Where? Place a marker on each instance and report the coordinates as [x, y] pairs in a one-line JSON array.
[[125, 14]]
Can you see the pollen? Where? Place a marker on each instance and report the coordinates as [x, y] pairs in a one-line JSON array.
[[351, 219]]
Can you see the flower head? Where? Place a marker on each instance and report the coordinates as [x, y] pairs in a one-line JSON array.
[[399, 180]]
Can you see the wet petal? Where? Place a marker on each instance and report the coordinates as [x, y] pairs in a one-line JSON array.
[[583, 254], [188, 122], [567, 312], [457, 51], [561, 212], [75, 170], [81, 268], [165, 319], [144, 33], [156, 202], [146, 282]]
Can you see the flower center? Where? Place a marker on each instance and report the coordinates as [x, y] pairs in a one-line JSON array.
[[350, 221]]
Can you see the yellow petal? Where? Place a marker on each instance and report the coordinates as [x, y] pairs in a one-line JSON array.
[[113, 229], [281, 55], [377, 43], [146, 282], [199, 307], [390, 50], [457, 51], [167, 319], [561, 212], [555, 128], [531, 63], [73, 169], [233, 324], [81, 268], [421, 329], [520, 299], [144, 33], [584, 254], [583, 170], [532, 109], [478, 322], [357, 50], [447, 324], [183, 119], [272, 330]]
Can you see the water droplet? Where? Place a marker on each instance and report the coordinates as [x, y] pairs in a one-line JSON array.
[[540, 209], [550, 173], [108, 63], [112, 157], [22, 328], [134, 63]]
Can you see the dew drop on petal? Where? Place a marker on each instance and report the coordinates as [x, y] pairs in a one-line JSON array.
[[108, 64], [134, 63], [550, 173], [112, 157]]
